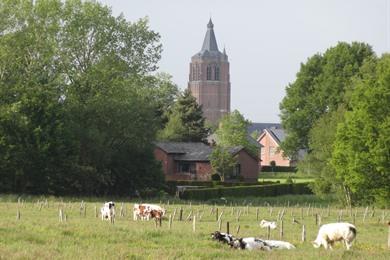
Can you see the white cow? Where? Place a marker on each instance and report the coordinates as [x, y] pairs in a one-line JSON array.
[[277, 244], [330, 233], [108, 211], [266, 224], [250, 243]]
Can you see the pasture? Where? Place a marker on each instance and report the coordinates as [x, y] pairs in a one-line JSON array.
[[34, 229]]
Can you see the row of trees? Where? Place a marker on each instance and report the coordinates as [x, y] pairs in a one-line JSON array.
[[337, 110], [79, 110]]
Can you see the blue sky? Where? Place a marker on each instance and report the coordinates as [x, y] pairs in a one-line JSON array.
[[265, 40]]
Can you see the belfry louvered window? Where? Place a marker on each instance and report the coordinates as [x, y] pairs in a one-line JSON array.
[[208, 73], [216, 73]]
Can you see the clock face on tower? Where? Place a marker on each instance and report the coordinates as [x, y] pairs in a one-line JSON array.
[[209, 78]]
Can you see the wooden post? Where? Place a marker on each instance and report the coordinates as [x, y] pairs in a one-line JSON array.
[[160, 221], [319, 220], [354, 218], [388, 236], [257, 214], [301, 213], [365, 215], [238, 229], [189, 216], [281, 230], [170, 221], [316, 219], [227, 227], [303, 233], [219, 224], [270, 211], [194, 225], [268, 232], [328, 212], [18, 214], [61, 215], [174, 214], [247, 210], [181, 214], [96, 212], [216, 214]]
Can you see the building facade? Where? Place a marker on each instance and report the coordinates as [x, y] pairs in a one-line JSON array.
[[209, 78]]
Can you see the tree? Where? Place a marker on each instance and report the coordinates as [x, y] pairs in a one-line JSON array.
[[222, 161], [186, 122], [76, 114], [319, 89], [232, 131], [362, 146]]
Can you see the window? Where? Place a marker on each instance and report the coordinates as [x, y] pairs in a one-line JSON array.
[[272, 151], [216, 73], [186, 167], [236, 171], [208, 73]]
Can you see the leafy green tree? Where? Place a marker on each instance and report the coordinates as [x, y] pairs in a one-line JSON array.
[[185, 122], [76, 114], [222, 161], [361, 150], [232, 131], [319, 89]]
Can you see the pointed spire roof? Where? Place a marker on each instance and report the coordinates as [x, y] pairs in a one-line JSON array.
[[209, 42]]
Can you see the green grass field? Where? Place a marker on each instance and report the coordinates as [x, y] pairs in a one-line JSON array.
[[38, 234]]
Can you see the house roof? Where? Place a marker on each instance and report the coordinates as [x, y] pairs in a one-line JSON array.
[[261, 126], [186, 151], [278, 134], [190, 151]]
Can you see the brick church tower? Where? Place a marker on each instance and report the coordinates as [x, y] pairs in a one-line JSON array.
[[209, 80]]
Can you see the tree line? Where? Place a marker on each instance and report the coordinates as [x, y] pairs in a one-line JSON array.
[[337, 110]]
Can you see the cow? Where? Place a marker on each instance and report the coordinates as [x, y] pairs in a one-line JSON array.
[[330, 233], [147, 211], [250, 243], [266, 224], [222, 237], [277, 244], [108, 211]]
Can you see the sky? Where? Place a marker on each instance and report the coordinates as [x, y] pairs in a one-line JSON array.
[[266, 41]]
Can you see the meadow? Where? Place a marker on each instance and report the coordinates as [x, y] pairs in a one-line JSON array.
[[32, 228]]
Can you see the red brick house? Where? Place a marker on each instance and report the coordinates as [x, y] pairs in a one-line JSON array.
[[270, 140], [190, 161]]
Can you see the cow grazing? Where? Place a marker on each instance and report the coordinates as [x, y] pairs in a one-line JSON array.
[[108, 211], [277, 244], [250, 243], [266, 224], [330, 233], [222, 237], [147, 211]]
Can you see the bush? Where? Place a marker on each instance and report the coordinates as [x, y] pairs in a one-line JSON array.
[[289, 180], [215, 177], [267, 168], [243, 191]]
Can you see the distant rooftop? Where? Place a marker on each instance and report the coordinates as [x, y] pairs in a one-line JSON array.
[[261, 126]]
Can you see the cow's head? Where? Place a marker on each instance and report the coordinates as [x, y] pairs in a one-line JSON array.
[[316, 244]]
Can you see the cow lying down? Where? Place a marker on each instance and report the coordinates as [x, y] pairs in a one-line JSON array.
[[330, 233], [250, 243]]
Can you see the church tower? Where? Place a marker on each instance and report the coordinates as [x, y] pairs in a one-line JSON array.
[[209, 80]]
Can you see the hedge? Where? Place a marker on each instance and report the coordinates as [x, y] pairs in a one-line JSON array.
[[278, 169], [242, 191]]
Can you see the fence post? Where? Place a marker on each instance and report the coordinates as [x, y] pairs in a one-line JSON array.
[[194, 224], [18, 214], [303, 233], [227, 227], [238, 229], [257, 214], [216, 214], [170, 221], [388, 237], [181, 214], [96, 213], [281, 230], [268, 232]]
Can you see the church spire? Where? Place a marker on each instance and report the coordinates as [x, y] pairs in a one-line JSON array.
[[209, 42]]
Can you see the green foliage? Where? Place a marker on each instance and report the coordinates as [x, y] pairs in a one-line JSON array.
[[216, 177], [319, 88], [275, 169], [185, 122], [232, 131], [76, 112], [361, 150], [263, 190], [222, 161]]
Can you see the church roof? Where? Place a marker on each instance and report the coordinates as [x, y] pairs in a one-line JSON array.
[[210, 46], [209, 42]]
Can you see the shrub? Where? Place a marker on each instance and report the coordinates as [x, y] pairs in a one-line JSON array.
[[243, 191], [216, 177]]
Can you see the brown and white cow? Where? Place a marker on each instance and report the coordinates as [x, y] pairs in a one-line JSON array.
[[147, 211]]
